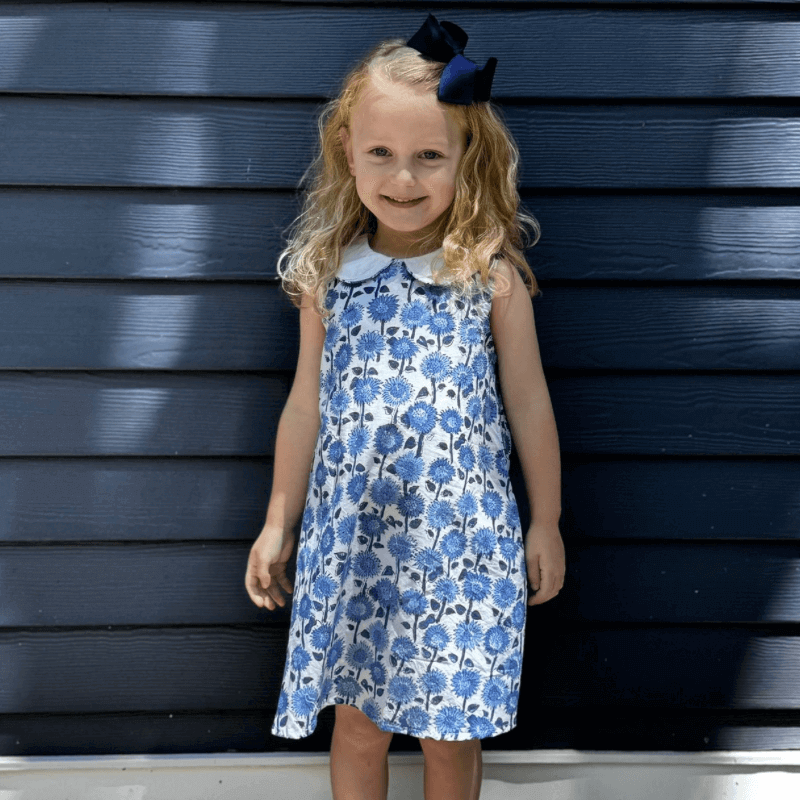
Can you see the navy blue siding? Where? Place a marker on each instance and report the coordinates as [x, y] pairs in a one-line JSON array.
[[148, 158], [262, 50]]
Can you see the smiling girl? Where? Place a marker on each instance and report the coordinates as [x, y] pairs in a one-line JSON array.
[[418, 363]]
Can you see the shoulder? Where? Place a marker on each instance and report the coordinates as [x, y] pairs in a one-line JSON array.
[[506, 280], [312, 323], [511, 310], [501, 265]]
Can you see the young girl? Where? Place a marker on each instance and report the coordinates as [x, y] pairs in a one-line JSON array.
[[410, 591]]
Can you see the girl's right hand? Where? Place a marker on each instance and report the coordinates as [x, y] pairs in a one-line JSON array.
[[266, 568]]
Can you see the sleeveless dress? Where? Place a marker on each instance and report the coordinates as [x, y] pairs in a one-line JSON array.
[[409, 599]]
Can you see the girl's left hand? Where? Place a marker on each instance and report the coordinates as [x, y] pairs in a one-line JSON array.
[[545, 561]]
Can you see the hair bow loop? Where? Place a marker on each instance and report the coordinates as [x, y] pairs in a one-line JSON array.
[[462, 82]]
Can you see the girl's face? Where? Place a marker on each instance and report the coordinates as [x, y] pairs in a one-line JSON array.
[[403, 145]]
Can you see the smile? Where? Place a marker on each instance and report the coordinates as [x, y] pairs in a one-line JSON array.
[[401, 202]]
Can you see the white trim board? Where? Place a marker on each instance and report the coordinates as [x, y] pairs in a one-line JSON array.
[[507, 775]]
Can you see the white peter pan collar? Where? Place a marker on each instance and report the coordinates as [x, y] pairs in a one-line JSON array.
[[360, 261]]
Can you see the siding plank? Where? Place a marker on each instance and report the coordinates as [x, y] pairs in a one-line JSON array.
[[575, 728], [253, 144], [227, 415], [682, 668], [130, 584], [132, 499], [677, 498], [139, 414], [186, 49], [132, 233], [141, 499], [204, 669], [189, 234], [652, 237], [146, 325], [161, 733], [227, 327], [167, 669], [681, 583], [647, 729], [194, 583], [678, 414], [670, 328]]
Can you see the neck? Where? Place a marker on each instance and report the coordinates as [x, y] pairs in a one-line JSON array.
[[399, 250]]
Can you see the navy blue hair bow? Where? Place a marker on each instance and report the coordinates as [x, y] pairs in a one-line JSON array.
[[461, 82]]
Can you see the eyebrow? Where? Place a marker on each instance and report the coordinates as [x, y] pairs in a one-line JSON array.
[[436, 143]]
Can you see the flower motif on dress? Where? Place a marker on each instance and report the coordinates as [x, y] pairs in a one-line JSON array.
[[409, 598]]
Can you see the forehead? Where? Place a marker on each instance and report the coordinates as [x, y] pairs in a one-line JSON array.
[[394, 112]]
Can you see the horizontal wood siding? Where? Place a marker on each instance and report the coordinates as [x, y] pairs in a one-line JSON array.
[[149, 156], [203, 668], [175, 583], [265, 145], [229, 50], [642, 237], [224, 326]]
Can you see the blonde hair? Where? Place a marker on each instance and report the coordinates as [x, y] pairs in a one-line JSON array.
[[483, 222]]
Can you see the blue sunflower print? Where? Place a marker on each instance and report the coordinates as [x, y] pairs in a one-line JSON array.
[[410, 592]]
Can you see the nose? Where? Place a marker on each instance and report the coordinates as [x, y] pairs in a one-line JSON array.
[[405, 175]]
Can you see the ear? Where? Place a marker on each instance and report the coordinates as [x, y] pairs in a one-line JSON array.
[[344, 135]]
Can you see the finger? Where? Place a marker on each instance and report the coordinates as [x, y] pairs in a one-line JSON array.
[[283, 580], [250, 574], [253, 595], [548, 581], [539, 598], [265, 578], [552, 575], [258, 593], [267, 601], [533, 573], [553, 585], [542, 596], [276, 596]]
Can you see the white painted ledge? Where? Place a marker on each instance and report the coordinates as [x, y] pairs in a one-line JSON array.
[[507, 775]]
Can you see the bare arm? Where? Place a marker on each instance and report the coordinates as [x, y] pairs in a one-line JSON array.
[[533, 428], [297, 428], [296, 437]]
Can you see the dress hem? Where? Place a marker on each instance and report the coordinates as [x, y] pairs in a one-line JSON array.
[[512, 724]]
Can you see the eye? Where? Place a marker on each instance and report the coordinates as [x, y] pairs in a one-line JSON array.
[[425, 153]]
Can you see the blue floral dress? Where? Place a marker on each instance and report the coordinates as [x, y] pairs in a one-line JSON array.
[[410, 592]]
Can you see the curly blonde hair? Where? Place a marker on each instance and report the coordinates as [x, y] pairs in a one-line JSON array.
[[483, 222]]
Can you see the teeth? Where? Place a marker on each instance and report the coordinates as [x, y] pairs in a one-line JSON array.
[[403, 201]]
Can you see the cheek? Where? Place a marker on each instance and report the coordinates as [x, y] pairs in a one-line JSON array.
[[365, 186], [447, 188], [369, 183]]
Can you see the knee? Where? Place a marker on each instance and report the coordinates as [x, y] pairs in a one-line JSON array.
[[359, 731]]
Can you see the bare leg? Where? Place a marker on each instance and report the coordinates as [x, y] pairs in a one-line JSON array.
[[453, 770], [359, 763]]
